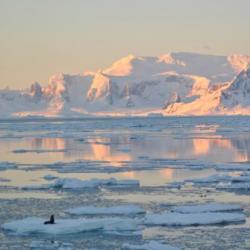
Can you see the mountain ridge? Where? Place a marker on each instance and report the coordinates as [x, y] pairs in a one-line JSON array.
[[177, 83]]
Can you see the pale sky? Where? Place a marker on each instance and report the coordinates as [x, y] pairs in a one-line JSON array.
[[41, 37]]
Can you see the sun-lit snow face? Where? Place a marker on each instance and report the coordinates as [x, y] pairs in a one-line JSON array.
[[171, 84], [239, 62], [122, 67]]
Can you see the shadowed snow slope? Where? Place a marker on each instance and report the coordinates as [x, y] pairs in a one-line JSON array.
[[175, 83]]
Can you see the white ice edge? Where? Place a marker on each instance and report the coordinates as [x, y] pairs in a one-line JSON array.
[[207, 207], [73, 183], [34, 225], [193, 219]]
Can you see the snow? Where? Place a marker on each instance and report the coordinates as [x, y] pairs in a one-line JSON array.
[[171, 84], [151, 245], [34, 225], [207, 207], [193, 219], [117, 210]]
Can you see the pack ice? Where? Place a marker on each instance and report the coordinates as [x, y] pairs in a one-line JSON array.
[[152, 245], [34, 225], [198, 214], [207, 207], [193, 219], [73, 183]]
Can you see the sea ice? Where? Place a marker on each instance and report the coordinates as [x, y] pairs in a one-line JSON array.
[[233, 166], [211, 179], [38, 151], [207, 207], [73, 183], [7, 165], [118, 210], [34, 225], [193, 219], [49, 177], [244, 186], [151, 245]]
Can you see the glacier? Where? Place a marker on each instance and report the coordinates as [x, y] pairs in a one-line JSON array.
[[171, 84]]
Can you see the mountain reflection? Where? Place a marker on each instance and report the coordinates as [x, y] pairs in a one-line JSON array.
[[119, 149]]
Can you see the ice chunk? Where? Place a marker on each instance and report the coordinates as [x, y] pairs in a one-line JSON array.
[[34, 225], [123, 210], [233, 166], [176, 184], [152, 245], [234, 186], [73, 183], [7, 165], [208, 207], [212, 179], [50, 177], [50, 245], [242, 178], [193, 219], [93, 183], [38, 151]]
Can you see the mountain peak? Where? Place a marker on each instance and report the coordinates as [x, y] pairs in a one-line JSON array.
[[187, 83], [121, 67]]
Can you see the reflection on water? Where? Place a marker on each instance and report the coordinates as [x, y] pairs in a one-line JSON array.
[[102, 151], [115, 143], [121, 148]]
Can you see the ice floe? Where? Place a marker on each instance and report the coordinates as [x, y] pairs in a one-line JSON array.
[[211, 179], [207, 207], [50, 245], [7, 165], [34, 225], [233, 166], [116, 210], [73, 183], [38, 151], [193, 219], [244, 186], [49, 177], [151, 245]]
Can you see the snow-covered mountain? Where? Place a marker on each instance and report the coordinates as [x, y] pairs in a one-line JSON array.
[[171, 84]]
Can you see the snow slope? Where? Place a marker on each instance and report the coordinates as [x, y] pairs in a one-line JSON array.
[[171, 84]]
